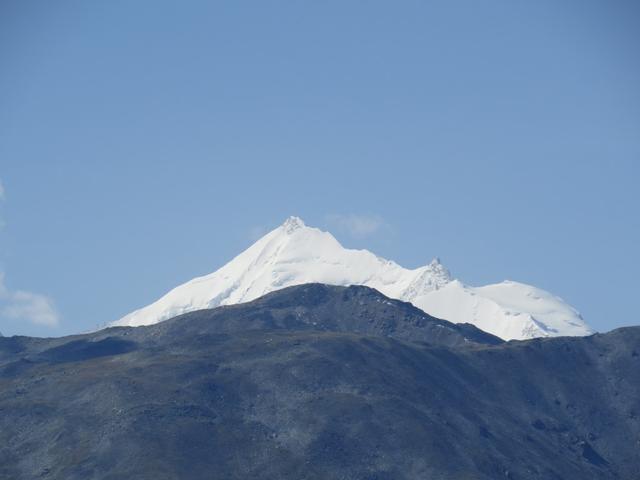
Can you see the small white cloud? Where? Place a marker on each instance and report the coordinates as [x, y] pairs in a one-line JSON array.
[[24, 306], [20, 305], [357, 225]]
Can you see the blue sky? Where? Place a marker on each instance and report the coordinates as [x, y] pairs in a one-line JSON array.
[[144, 143]]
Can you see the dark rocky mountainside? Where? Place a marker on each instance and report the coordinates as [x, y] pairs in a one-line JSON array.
[[315, 382]]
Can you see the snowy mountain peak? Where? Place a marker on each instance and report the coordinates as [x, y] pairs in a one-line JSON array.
[[292, 224], [294, 254], [439, 271]]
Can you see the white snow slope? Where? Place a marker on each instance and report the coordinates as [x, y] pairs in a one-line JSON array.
[[294, 254]]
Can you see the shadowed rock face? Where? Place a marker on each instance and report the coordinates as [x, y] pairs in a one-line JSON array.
[[318, 382]]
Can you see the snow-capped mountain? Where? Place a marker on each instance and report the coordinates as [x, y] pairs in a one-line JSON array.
[[294, 254]]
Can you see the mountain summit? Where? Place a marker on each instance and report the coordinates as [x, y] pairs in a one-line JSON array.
[[294, 254]]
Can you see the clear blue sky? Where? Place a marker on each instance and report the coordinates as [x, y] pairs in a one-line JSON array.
[[143, 143]]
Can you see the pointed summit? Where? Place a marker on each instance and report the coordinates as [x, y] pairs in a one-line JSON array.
[[439, 271], [292, 224]]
